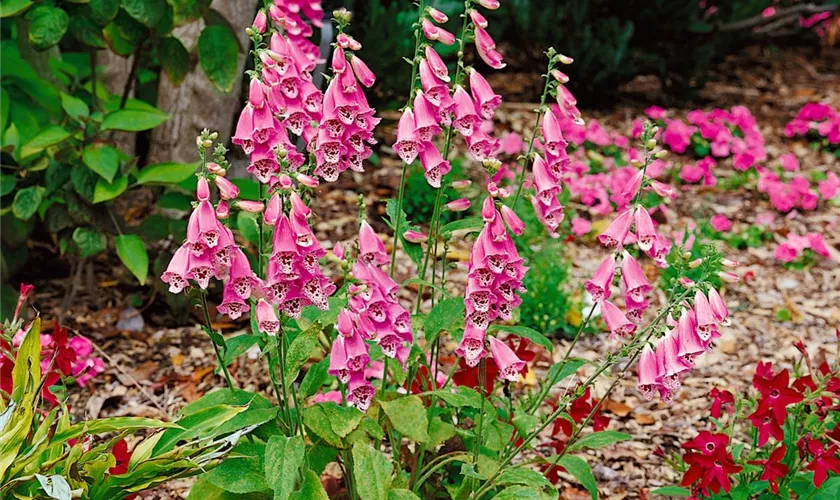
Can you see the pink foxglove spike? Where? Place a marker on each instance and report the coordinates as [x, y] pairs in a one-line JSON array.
[[407, 145], [436, 64], [506, 360], [434, 166], [648, 373], [601, 282], [620, 327], [471, 347], [617, 231], [645, 232], [176, 273], [635, 281], [483, 95]]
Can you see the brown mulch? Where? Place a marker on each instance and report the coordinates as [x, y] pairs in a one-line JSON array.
[[154, 371]]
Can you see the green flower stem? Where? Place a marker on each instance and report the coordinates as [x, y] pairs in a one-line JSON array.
[[520, 181], [415, 63], [437, 464], [219, 357]]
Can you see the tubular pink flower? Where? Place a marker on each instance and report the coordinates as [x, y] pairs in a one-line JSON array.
[[438, 16], [488, 210], [407, 145], [241, 278], [466, 118], [718, 307], [645, 232], [436, 64], [599, 286], [486, 100], [545, 184], [202, 192], [176, 272], [227, 189], [555, 144], [339, 61], [648, 373], [362, 71], [232, 304], [307, 180], [471, 347], [514, 223], [200, 269], [371, 249], [667, 353], [690, 345], [256, 95], [252, 206], [478, 19], [617, 231], [272, 210], [430, 31], [506, 360], [434, 166], [426, 120], [633, 185], [361, 392], [489, 4], [617, 322], [706, 322], [203, 227], [415, 236], [635, 281], [458, 205], [222, 210], [260, 21], [436, 91]]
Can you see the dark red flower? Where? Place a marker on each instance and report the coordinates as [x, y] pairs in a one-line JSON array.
[[122, 456], [721, 399], [65, 356], [553, 474], [773, 468], [710, 468], [767, 426], [579, 409], [468, 376], [825, 459], [776, 394]]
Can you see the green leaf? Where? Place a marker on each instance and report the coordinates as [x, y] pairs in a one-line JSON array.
[[205, 490], [27, 201], [599, 440], [331, 422], [47, 137], [472, 224], [460, 396], [103, 12], [561, 370], [525, 422], [47, 26], [439, 432], [174, 59], [300, 350], [526, 333], [111, 424], [105, 191], [248, 227], [90, 241], [237, 346], [578, 467], [168, 173], [242, 471], [372, 472], [4, 110], [7, 184], [26, 374], [408, 415], [102, 159], [218, 53], [518, 493], [524, 476], [311, 488], [401, 494], [283, 458], [315, 377], [133, 120], [86, 31], [147, 12], [11, 8], [132, 252], [671, 491], [55, 486], [204, 423], [84, 181], [444, 315], [74, 107]]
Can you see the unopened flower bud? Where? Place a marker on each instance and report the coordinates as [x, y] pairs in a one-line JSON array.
[[437, 15], [202, 192], [281, 152], [686, 255], [729, 263], [221, 173], [654, 130], [694, 264], [285, 182], [207, 143], [307, 180], [259, 23], [213, 167], [415, 236], [493, 189], [559, 76], [636, 163], [222, 210], [252, 206], [461, 184], [728, 277], [489, 4], [492, 165], [651, 143], [565, 59], [338, 251], [273, 210], [686, 282], [660, 154], [342, 15], [227, 189], [249, 31], [458, 205]]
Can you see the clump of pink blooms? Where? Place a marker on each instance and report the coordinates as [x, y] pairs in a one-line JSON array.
[[794, 246], [816, 120]]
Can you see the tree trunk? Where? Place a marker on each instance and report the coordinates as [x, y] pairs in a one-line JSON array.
[[196, 104], [114, 72]]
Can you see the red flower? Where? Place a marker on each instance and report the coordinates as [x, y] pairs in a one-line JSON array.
[[468, 376], [767, 426], [824, 460], [122, 455], [721, 399], [710, 468], [579, 409], [776, 394], [553, 474], [773, 468], [65, 356], [707, 443]]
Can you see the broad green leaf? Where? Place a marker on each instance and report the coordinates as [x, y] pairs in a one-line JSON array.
[[148, 12], [372, 472], [112, 424], [315, 377], [559, 371], [401, 494], [103, 11], [84, 181], [460, 397], [248, 227], [518, 493], [86, 31], [218, 53], [4, 110], [47, 26], [9, 8], [174, 58], [7, 184], [237, 346], [439, 432], [283, 458], [331, 422], [671, 491], [105, 191], [27, 201], [133, 120], [167, 173], [523, 476], [311, 488], [525, 422], [26, 374], [526, 333], [444, 315], [74, 107], [578, 467], [102, 159], [204, 423], [89, 241], [408, 416], [132, 252], [472, 224], [599, 440], [47, 137], [243, 471], [468, 470], [234, 397], [55, 486], [300, 350], [205, 490]]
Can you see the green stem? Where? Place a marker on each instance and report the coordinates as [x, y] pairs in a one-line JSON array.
[[219, 357], [436, 465]]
